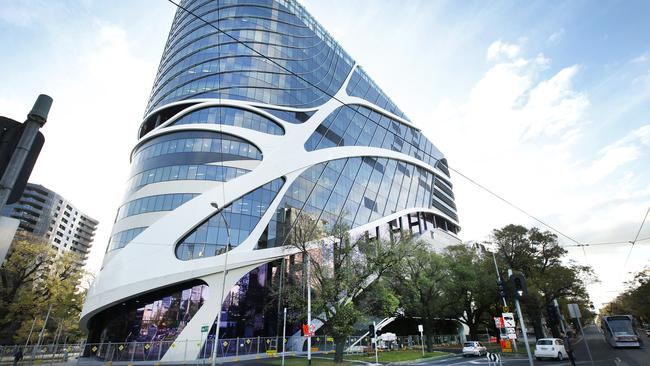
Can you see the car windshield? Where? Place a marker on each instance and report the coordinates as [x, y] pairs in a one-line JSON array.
[[469, 344], [544, 342]]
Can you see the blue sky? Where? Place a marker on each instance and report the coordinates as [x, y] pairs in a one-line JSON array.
[[546, 103]]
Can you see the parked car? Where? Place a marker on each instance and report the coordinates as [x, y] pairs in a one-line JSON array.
[[473, 348], [550, 348]]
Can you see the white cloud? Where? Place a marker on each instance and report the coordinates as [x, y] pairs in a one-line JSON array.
[[498, 49], [556, 36], [641, 58], [93, 124], [618, 153], [527, 134]]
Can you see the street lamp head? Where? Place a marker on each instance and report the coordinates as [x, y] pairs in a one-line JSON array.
[[41, 109]]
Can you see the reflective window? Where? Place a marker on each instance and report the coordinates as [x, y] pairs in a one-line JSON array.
[[362, 86], [354, 125], [184, 172], [196, 142], [157, 317], [232, 117], [200, 62], [352, 191], [121, 239], [212, 236], [289, 116], [161, 202]]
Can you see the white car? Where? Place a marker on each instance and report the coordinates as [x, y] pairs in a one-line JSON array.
[[473, 348], [550, 348]]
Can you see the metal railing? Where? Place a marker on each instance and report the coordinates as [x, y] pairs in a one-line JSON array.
[[153, 352]]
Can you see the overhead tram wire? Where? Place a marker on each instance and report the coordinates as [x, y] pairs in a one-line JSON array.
[[348, 106], [606, 243], [636, 237]]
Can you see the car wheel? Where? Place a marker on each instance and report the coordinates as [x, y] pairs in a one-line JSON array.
[[559, 356]]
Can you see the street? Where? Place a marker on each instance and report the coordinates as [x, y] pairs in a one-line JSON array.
[[602, 353]]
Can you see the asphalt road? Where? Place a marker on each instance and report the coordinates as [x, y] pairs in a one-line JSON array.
[[602, 353]]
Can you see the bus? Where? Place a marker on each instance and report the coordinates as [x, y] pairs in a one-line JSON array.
[[619, 331]]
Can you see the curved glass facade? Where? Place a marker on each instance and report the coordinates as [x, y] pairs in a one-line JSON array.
[[273, 71], [201, 62], [362, 86], [122, 238], [230, 226], [154, 317], [233, 117], [161, 202], [354, 125], [353, 192]]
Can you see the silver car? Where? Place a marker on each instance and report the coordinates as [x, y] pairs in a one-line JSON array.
[[473, 348]]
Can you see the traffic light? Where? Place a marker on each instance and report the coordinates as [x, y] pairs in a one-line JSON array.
[[10, 133], [502, 288], [371, 330], [518, 285]]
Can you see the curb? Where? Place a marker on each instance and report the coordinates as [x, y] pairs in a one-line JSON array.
[[448, 355]]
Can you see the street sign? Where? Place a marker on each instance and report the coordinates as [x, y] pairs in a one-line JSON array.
[[493, 356], [574, 311], [508, 320], [512, 334], [420, 328], [506, 309], [498, 322], [204, 328], [506, 346], [306, 331]]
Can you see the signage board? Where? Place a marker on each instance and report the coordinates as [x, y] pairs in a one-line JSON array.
[[306, 331], [506, 346], [204, 328], [420, 328], [508, 320], [498, 322], [574, 311]]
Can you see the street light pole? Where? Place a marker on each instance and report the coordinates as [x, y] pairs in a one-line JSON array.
[[284, 335], [308, 308], [35, 120], [223, 287]]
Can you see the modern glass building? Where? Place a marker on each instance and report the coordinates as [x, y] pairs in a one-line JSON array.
[[257, 120]]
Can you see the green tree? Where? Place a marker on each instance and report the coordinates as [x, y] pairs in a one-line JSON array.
[[635, 300], [343, 275], [471, 283], [342, 270], [538, 255], [420, 283], [34, 278]]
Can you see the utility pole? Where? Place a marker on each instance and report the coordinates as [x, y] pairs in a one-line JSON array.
[[374, 329], [503, 296], [284, 335], [30, 332], [16, 165], [308, 307], [520, 290], [40, 335], [223, 288]]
